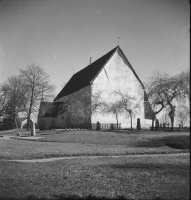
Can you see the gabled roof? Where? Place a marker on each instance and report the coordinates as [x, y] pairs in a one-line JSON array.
[[84, 77]]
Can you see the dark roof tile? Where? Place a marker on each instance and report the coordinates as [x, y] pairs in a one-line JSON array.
[[84, 77]]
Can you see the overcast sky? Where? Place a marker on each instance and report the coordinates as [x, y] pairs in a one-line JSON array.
[[62, 35]]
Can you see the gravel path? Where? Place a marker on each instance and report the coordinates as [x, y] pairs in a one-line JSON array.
[[10, 137], [94, 157]]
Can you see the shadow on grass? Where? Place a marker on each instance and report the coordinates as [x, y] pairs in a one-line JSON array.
[[178, 145], [136, 166], [169, 169], [60, 197], [177, 142]]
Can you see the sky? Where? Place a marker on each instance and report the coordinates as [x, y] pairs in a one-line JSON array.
[[62, 35]]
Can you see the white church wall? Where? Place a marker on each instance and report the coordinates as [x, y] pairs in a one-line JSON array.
[[117, 75]]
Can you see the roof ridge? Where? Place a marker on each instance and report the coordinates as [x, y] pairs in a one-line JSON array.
[[85, 75], [105, 63], [98, 59]]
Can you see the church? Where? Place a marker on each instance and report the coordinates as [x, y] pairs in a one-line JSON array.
[[106, 78]]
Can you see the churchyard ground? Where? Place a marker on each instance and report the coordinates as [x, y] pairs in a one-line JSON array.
[[132, 175]]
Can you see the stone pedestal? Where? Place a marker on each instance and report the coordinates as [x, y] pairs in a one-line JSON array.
[[33, 130]]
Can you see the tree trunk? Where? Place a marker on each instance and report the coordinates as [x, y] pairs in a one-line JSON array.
[[29, 114], [14, 116], [15, 122], [153, 120], [154, 114], [171, 115], [131, 121], [172, 122], [117, 120], [28, 120], [30, 108]]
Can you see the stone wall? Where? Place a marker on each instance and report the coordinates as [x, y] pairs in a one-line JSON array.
[[64, 120], [47, 123]]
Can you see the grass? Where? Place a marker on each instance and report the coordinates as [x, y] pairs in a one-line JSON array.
[[161, 177], [106, 178], [173, 141], [107, 138], [78, 143], [17, 149], [8, 132]]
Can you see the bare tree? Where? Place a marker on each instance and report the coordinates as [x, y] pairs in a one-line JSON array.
[[4, 97], [36, 80], [164, 91], [172, 93], [184, 86], [182, 115], [128, 104], [115, 108], [165, 118], [13, 96], [97, 103], [154, 88]]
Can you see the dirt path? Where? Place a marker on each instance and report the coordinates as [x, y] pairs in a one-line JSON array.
[[10, 137], [94, 157]]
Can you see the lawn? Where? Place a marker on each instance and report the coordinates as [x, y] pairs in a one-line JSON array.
[[153, 177], [162, 177], [127, 138], [77, 143]]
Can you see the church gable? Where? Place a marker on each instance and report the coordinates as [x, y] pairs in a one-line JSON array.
[[118, 74], [125, 60]]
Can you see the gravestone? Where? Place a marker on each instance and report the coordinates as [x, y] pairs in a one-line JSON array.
[[98, 126], [157, 124], [112, 126], [138, 124], [164, 126]]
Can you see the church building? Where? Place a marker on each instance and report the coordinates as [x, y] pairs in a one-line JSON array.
[[107, 77]]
